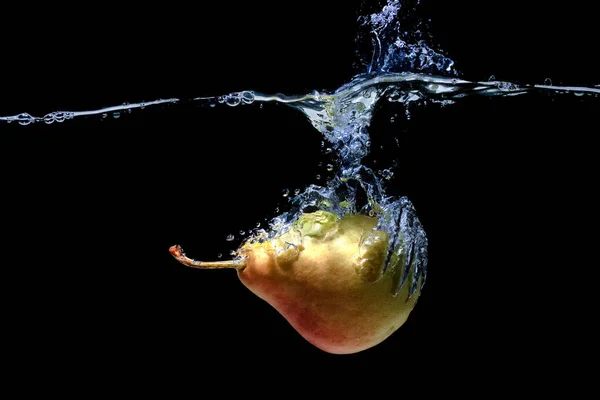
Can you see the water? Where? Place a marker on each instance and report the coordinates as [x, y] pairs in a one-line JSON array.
[[400, 68], [61, 116], [403, 87]]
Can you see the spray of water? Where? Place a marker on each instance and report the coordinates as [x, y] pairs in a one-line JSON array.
[[399, 42]]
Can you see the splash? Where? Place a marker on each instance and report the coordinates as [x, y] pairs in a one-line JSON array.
[[401, 68], [399, 44]]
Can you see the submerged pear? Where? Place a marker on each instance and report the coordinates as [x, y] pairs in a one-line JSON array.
[[330, 278]]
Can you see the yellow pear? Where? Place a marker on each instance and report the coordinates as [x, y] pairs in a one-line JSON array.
[[330, 278]]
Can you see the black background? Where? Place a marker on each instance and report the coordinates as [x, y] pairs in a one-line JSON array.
[[90, 206]]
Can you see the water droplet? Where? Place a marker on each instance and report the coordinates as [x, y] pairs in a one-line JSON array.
[[219, 255], [286, 192], [116, 114], [387, 174], [230, 237], [297, 192], [329, 167], [548, 82]]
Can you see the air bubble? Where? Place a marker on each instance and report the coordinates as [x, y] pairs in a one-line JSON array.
[[297, 192], [491, 78], [258, 224], [242, 233], [318, 177], [25, 119], [248, 97], [230, 237], [59, 117], [219, 255], [329, 167], [233, 99], [116, 114], [286, 192], [104, 115], [548, 82]]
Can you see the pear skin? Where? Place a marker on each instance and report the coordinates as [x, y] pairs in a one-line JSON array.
[[326, 276]]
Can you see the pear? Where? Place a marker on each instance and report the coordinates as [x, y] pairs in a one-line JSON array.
[[330, 278]]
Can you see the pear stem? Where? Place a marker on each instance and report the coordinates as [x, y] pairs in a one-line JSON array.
[[177, 252]]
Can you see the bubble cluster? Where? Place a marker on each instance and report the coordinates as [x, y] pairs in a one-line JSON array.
[[237, 98]]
